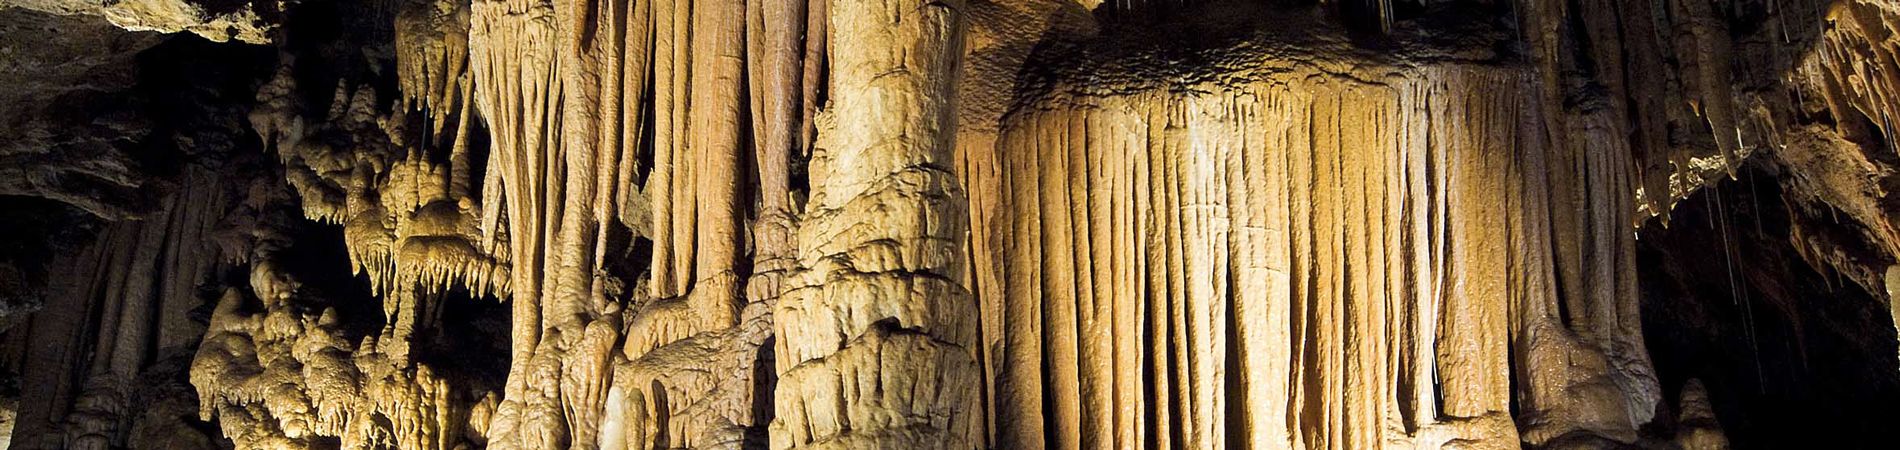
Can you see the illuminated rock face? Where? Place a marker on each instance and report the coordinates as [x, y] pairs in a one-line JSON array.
[[787, 224], [1332, 245]]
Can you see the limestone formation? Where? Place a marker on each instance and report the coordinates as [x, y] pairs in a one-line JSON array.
[[957, 224], [220, 21]]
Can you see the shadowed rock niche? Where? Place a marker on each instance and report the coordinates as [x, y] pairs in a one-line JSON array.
[[948, 224]]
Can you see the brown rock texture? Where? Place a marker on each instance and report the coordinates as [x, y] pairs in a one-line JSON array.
[[1009, 224]]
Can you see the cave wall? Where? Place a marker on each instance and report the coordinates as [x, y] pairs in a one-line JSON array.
[[984, 224]]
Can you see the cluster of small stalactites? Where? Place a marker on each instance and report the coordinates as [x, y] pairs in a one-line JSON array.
[[432, 264], [408, 221]]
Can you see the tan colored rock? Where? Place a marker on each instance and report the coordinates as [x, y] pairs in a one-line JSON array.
[[987, 224], [246, 22], [876, 333]]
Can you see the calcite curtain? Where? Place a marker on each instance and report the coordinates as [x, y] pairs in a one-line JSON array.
[[1030, 224]]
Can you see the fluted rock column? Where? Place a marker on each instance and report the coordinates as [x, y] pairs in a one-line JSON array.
[[876, 332]]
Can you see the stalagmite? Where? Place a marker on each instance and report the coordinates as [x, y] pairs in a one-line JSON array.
[[1034, 224], [1699, 417]]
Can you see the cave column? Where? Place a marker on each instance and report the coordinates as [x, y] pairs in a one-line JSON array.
[[876, 331]]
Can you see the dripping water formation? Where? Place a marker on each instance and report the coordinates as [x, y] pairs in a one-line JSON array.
[[949, 224]]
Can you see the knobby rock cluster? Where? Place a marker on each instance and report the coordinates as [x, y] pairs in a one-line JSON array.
[[956, 224]]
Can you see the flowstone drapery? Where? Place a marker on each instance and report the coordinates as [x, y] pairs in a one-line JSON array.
[[795, 224]]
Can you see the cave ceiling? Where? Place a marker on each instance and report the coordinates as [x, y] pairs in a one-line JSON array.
[[949, 224]]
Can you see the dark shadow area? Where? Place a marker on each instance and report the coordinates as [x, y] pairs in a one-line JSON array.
[[319, 259], [469, 342], [197, 94], [764, 382], [348, 43], [32, 231], [1792, 357]]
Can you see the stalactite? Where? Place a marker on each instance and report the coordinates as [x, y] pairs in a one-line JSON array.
[[277, 368], [1129, 224], [778, 90], [569, 126], [1333, 206]]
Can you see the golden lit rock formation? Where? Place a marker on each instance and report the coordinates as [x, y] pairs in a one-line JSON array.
[[1010, 224]]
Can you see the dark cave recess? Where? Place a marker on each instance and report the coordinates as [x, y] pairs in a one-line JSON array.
[[1792, 357]]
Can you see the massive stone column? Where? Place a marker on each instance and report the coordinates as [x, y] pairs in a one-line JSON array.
[[1173, 224], [876, 332]]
